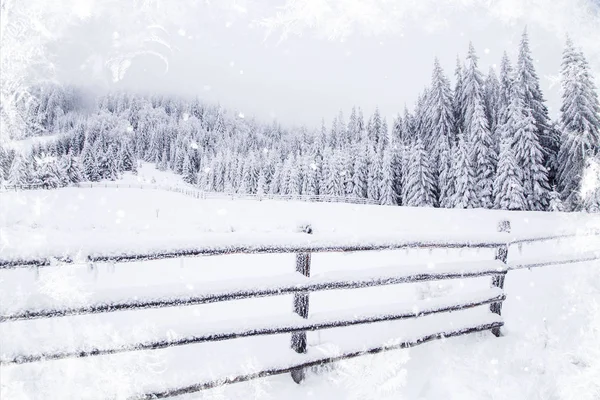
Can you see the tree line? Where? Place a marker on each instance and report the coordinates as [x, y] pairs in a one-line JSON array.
[[486, 141]]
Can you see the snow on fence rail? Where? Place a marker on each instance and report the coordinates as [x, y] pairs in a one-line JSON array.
[[202, 194], [300, 285]]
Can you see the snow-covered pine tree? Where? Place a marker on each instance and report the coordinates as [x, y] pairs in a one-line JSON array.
[[444, 178], [463, 176], [441, 120], [397, 168], [19, 173], [294, 184], [342, 131], [528, 84], [360, 175], [253, 171], [72, 169], [405, 155], [555, 203], [162, 163], [420, 186], [261, 184], [333, 134], [482, 153], [376, 132], [492, 106], [219, 174], [245, 184], [310, 180], [113, 161], [90, 163], [387, 189], [508, 184], [580, 120], [505, 89], [522, 132], [397, 134], [180, 152], [421, 120], [457, 103], [334, 179], [353, 128], [373, 174], [347, 171], [127, 162], [189, 174], [275, 185], [6, 159], [48, 175]]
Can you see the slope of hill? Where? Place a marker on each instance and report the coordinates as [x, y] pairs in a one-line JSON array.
[[548, 313]]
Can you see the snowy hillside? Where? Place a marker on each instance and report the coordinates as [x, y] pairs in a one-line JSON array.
[[544, 306], [66, 221]]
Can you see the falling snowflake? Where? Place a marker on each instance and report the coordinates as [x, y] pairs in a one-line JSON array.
[[194, 145], [207, 170], [185, 116], [241, 115], [181, 32], [313, 166]]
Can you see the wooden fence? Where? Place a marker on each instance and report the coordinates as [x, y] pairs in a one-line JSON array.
[[301, 287]]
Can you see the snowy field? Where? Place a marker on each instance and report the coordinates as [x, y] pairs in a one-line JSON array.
[[548, 348]]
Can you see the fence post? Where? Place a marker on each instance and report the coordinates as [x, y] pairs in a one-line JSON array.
[[301, 307], [498, 280]]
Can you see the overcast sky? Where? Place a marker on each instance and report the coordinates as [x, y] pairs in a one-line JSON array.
[[324, 64]]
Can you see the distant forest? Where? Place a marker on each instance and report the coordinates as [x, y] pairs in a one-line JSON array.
[[483, 141]]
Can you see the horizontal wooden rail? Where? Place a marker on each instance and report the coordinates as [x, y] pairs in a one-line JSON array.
[[594, 232], [577, 259], [320, 361], [13, 263], [17, 262], [302, 325], [322, 284]]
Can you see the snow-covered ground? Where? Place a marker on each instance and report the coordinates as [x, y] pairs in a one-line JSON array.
[[550, 349]]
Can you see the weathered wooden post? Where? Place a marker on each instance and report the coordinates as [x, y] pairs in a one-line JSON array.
[[498, 280], [301, 307]]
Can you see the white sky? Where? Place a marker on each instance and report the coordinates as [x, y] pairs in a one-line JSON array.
[[339, 53]]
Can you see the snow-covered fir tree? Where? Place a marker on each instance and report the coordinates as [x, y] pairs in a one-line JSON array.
[[555, 203], [463, 176], [580, 120], [19, 173], [527, 83], [387, 188], [508, 184], [441, 125], [520, 130], [477, 130], [420, 185]]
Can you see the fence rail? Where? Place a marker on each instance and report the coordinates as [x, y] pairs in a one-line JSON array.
[[316, 247], [300, 285]]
